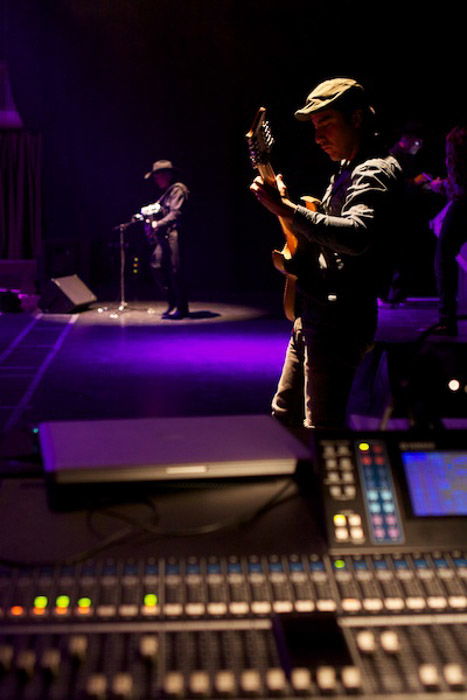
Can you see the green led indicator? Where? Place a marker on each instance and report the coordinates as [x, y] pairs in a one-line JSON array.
[[63, 601], [150, 600], [84, 602], [41, 601], [339, 564]]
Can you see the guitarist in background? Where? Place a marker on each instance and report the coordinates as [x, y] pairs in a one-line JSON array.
[[162, 223], [342, 261]]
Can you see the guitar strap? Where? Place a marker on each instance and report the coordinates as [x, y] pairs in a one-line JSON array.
[[167, 191]]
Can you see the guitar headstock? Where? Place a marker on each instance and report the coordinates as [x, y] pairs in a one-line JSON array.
[[260, 139]]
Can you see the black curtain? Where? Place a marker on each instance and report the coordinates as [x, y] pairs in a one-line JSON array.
[[20, 194]]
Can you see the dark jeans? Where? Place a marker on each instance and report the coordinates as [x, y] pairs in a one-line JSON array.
[[166, 264], [319, 368], [451, 238]]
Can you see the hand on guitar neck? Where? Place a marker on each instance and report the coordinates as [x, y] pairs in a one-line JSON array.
[[271, 192], [269, 188], [274, 197]]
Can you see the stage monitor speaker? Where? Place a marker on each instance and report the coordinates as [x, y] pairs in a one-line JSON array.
[[64, 295]]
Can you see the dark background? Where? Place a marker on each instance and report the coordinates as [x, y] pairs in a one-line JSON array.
[[113, 85]]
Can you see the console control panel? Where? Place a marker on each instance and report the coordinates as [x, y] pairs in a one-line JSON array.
[[387, 492]]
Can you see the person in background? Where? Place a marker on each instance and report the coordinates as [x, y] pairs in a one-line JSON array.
[[163, 223], [342, 262], [451, 228], [413, 273]]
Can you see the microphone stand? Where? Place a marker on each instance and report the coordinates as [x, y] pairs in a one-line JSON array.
[[122, 304], [121, 229]]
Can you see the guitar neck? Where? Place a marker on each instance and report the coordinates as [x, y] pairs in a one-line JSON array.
[[267, 173]]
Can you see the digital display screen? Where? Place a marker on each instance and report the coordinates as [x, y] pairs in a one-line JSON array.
[[437, 482]]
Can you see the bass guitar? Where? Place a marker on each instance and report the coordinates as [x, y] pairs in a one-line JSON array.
[[260, 142]]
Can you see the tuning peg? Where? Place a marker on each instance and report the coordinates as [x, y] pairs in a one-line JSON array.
[[268, 137]]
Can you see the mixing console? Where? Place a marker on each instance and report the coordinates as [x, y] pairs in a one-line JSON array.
[[375, 625], [215, 588], [372, 605]]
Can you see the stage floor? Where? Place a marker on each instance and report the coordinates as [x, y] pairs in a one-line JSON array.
[[224, 359]]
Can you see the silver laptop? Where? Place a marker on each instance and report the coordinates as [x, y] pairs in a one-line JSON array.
[[155, 449]]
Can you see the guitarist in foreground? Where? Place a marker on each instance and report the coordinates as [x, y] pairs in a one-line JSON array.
[[342, 259]]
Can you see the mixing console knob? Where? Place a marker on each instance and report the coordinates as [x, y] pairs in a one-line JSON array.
[[106, 610], [6, 657], [261, 607], [239, 607], [275, 680], [458, 602], [149, 647], [415, 603], [173, 684], [96, 687], [77, 647], [224, 684], [428, 674], [351, 678], [301, 680], [326, 678], [390, 642], [282, 606], [351, 605], [250, 682], [173, 609], [25, 663], [394, 603], [128, 610], [217, 609], [195, 609], [454, 676], [366, 641], [199, 684], [122, 686], [373, 604], [50, 662]]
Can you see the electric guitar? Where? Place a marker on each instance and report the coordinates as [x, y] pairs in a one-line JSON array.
[[260, 142]]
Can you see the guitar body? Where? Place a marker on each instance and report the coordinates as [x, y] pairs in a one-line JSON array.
[[260, 143], [287, 253]]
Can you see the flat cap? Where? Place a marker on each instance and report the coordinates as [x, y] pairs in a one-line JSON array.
[[328, 92]]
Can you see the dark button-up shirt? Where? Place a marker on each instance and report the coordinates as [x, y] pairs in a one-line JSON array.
[[346, 247], [169, 212]]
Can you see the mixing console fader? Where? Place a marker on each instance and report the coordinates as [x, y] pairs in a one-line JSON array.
[[231, 660], [302, 625]]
